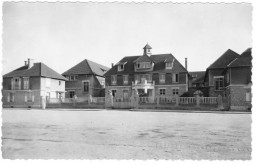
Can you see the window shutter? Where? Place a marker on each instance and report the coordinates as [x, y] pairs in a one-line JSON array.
[[8, 98], [19, 83], [177, 77], [25, 98], [32, 98], [12, 84], [12, 98]]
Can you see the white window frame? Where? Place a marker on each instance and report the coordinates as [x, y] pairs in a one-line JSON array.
[[10, 97], [26, 83], [125, 79], [121, 67], [14, 84], [115, 92], [113, 79], [168, 65], [161, 79], [174, 77], [174, 89], [215, 85], [29, 97], [161, 94]]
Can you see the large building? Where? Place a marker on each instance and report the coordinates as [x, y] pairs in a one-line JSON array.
[[238, 82], [31, 85], [85, 79], [148, 75]]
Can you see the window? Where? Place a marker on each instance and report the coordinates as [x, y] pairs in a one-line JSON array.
[[144, 65], [219, 82], [125, 79], [162, 78], [175, 77], [10, 97], [162, 91], [169, 65], [175, 91], [125, 95], [73, 77], [113, 92], [86, 86], [59, 83], [16, 83], [120, 67], [26, 83], [113, 79], [71, 94], [149, 78], [29, 97]]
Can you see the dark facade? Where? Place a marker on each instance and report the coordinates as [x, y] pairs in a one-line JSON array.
[[85, 79], [147, 75]]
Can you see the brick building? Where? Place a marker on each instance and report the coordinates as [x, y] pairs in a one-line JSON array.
[[85, 79], [238, 81], [31, 84], [214, 78], [149, 75]]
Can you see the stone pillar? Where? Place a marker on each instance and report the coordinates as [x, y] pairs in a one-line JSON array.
[[197, 100], [137, 101], [43, 98], [220, 103]]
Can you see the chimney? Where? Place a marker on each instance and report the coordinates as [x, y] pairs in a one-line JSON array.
[[112, 65], [30, 62], [25, 63], [186, 65]]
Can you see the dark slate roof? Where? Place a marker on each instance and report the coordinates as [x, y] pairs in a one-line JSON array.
[[87, 67], [147, 46], [245, 59], [199, 78], [144, 58], [38, 69], [224, 60], [159, 65]]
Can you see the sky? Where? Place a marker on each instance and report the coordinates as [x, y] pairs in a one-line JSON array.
[[63, 34]]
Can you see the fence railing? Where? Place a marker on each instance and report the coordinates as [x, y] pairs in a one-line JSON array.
[[94, 100], [187, 100], [146, 100], [208, 100]]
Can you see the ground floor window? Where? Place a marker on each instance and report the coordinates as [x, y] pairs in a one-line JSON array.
[[10, 97], [71, 94], [86, 86], [162, 91], [113, 92], [29, 97], [219, 82], [175, 91]]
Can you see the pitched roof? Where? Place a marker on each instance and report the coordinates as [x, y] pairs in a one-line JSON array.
[[159, 64], [245, 59], [144, 58], [87, 67], [224, 59], [147, 46], [199, 76], [38, 69]]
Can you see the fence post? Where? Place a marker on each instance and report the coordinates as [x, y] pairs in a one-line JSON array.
[[177, 101], [137, 101], [197, 100], [157, 100], [220, 103], [43, 102]]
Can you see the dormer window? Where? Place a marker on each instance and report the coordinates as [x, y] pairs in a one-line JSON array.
[[120, 67], [169, 65], [144, 65]]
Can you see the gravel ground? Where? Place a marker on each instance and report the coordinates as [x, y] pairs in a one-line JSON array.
[[50, 134]]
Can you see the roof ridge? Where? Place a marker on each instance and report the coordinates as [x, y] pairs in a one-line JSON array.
[[89, 66]]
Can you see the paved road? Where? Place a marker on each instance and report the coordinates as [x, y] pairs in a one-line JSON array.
[[125, 135]]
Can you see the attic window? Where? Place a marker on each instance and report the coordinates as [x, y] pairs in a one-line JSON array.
[[169, 65], [144, 65], [120, 67]]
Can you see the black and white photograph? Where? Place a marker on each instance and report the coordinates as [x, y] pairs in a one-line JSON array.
[[127, 81]]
